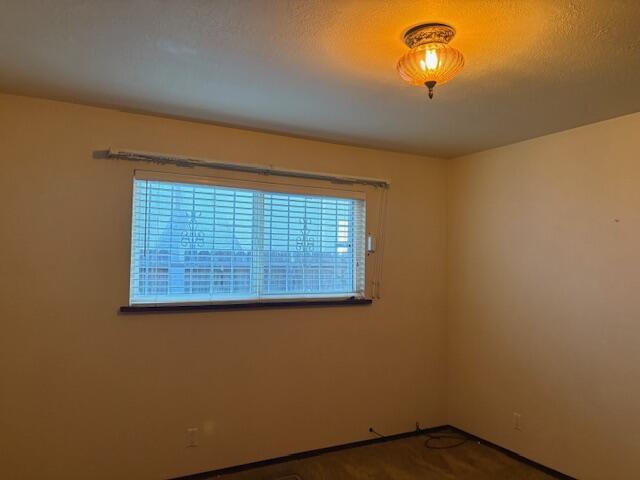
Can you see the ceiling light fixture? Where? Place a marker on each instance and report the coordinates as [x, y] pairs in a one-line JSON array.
[[431, 61]]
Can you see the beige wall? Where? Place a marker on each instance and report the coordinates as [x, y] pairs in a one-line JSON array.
[[544, 288], [542, 313], [88, 393]]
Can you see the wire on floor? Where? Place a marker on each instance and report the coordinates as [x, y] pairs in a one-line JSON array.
[[431, 437]]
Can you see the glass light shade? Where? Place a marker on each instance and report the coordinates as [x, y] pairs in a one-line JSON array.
[[431, 62]]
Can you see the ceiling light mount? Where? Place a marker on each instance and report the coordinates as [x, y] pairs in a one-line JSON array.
[[430, 61], [428, 33]]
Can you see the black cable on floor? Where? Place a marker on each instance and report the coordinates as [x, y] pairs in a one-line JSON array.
[[430, 438]]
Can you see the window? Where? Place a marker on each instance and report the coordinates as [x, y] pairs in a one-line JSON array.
[[197, 242]]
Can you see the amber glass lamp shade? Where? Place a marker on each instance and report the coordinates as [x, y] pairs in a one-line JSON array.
[[431, 61]]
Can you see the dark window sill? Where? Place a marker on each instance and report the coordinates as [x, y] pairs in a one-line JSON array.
[[243, 306]]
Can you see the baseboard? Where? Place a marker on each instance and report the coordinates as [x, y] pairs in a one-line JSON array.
[[309, 453], [372, 441], [514, 455]]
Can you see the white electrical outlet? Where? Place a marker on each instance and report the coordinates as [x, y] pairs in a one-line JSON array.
[[517, 421], [192, 436]]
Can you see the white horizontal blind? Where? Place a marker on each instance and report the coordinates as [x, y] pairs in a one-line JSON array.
[[204, 243]]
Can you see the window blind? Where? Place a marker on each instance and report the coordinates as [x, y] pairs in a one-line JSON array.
[[207, 243]]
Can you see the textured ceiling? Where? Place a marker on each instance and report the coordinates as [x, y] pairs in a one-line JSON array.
[[326, 69]]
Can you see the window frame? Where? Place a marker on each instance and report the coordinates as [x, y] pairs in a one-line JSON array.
[[357, 297]]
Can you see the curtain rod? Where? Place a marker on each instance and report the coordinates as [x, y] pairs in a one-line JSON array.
[[191, 162]]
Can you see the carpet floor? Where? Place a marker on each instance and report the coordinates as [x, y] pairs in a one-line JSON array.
[[404, 459]]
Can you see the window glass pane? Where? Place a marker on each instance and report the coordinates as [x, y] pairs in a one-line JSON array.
[[202, 243], [308, 245]]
